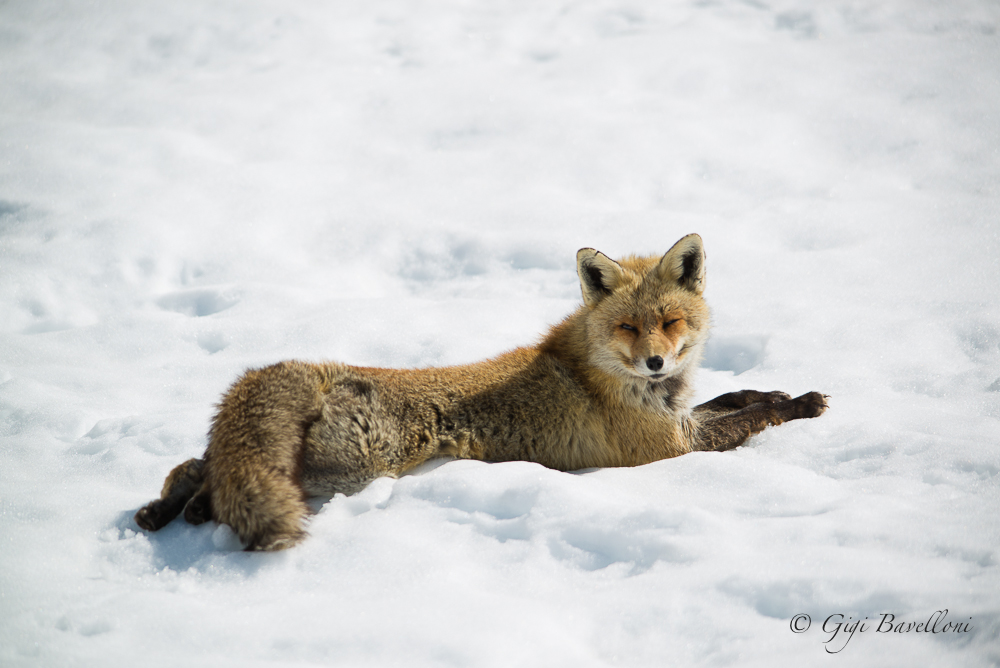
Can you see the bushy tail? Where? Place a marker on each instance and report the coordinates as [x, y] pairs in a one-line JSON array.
[[254, 456]]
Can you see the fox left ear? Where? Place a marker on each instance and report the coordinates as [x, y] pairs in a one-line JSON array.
[[684, 263], [599, 275]]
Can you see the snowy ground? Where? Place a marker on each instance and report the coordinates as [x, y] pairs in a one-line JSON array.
[[190, 188]]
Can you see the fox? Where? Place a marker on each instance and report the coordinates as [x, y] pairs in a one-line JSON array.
[[609, 386]]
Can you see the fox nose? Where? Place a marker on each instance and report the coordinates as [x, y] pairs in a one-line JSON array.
[[654, 363]]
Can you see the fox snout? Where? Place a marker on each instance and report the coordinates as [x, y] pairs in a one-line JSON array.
[[656, 354], [654, 364], [650, 354]]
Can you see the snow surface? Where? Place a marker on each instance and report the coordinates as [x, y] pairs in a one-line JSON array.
[[190, 188]]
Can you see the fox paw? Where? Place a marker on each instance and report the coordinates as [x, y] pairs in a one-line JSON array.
[[150, 518], [199, 509], [810, 405]]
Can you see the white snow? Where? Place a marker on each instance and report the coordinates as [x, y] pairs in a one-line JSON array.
[[191, 188]]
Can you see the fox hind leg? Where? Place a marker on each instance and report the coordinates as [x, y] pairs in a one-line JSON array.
[[181, 485], [199, 509]]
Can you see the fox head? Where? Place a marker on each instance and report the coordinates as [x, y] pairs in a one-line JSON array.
[[645, 317]]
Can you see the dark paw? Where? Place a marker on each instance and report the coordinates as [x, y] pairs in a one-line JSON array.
[[810, 405], [198, 510], [150, 518]]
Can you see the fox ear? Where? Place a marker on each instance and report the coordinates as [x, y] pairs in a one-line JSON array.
[[684, 263], [599, 275]]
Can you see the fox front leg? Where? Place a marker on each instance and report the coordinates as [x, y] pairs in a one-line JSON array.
[[723, 425], [732, 401]]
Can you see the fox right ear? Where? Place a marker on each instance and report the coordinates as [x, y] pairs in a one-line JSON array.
[[684, 263], [599, 275]]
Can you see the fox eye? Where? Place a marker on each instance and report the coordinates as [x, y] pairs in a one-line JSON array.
[[628, 328], [669, 322]]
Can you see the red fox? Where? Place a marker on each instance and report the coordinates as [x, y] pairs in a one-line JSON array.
[[608, 386]]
